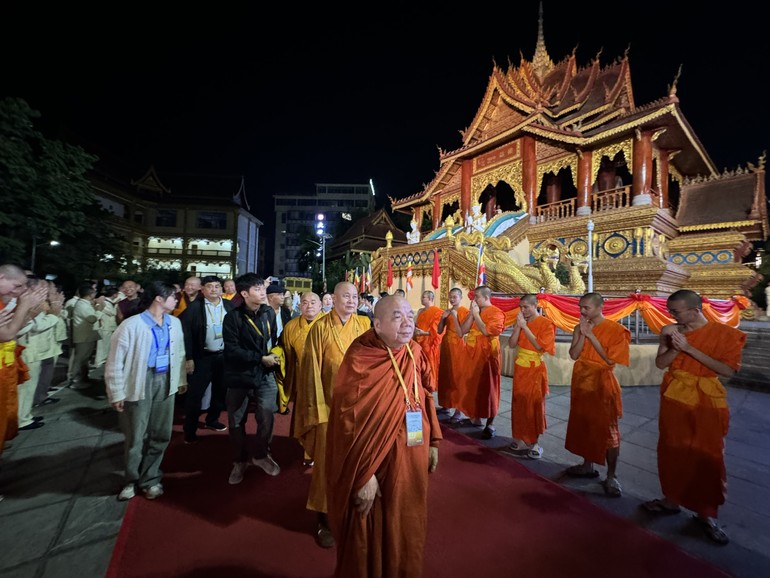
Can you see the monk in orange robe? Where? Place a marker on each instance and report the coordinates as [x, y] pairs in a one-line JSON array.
[[481, 369], [382, 442], [595, 396], [451, 355], [694, 415], [13, 370], [293, 341], [533, 335], [426, 329], [326, 344]]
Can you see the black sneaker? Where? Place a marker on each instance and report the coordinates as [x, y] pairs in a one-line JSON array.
[[216, 426], [190, 439]]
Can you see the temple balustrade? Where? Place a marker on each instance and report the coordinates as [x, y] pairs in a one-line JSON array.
[[602, 201]]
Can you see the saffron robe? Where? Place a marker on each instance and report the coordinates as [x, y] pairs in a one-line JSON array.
[[13, 371], [596, 402], [293, 340], [530, 380], [451, 358], [428, 320], [694, 419], [480, 370], [367, 436], [326, 344]]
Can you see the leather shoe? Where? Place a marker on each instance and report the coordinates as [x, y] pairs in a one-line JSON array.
[[33, 425], [324, 538]]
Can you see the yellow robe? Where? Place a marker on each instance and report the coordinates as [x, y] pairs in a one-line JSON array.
[[326, 344], [293, 339]]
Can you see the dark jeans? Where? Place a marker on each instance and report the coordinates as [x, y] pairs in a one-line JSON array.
[[208, 369], [264, 396]]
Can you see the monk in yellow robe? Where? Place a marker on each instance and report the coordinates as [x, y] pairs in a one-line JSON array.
[[13, 370], [451, 355], [596, 404], [426, 329], [694, 415], [293, 341], [481, 368], [382, 443], [532, 336], [326, 344]]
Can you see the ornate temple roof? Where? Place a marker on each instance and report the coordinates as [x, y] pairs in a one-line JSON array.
[[367, 234]]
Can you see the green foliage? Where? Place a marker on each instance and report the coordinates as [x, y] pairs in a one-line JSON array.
[[562, 273]]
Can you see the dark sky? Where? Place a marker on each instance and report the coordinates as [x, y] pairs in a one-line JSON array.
[[290, 96]]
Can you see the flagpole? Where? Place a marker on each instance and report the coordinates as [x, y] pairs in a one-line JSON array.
[[478, 263]]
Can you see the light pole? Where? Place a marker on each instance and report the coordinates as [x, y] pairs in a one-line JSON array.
[[320, 230], [590, 256]]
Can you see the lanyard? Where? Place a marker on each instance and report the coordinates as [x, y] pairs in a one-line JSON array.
[[254, 325], [155, 337], [401, 377], [221, 308]]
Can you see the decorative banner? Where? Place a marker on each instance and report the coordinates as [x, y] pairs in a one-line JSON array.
[[436, 270], [357, 280], [389, 282], [369, 279], [482, 268], [409, 275]]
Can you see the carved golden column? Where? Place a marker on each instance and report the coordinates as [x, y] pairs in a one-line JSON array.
[[529, 182], [465, 187], [664, 173], [642, 183], [584, 183]]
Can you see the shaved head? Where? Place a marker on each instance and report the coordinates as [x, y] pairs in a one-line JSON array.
[[530, 299], [690, 298], [594, 298], [394, 321], [309, 305]]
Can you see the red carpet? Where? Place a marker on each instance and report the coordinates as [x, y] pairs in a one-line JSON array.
[[489, 517]]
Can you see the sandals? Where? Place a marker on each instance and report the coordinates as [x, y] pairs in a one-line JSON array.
[[712, 530], [612, 487], [580, 472], [659, 507], [488, 433], [457, 418]]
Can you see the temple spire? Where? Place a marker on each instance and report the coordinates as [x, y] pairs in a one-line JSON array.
[[541, 62]]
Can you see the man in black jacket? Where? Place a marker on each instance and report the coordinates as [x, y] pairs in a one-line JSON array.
[[202, 323], [249, 334]]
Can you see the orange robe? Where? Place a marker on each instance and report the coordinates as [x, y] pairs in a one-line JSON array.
[[326, 344], [595, 397], [428, 320], [693, 421], [481, 368], [13, 371], [530, 380], [293, 340], [367, 436], [451, 358]]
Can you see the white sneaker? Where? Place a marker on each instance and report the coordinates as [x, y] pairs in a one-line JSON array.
[[153, 492], [268, 465], [236, 476], [128, 492], [535, 452]]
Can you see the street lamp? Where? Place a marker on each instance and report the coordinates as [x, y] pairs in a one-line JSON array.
[[590, 256], [320, 230]]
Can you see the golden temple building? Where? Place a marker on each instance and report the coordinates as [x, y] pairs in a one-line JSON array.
[[556, 148]]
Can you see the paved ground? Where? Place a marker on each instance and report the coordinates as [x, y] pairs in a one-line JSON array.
[[60, 517]]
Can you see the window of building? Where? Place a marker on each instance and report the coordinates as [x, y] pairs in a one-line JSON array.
[[139, 217], [212, 220], [165, 218]]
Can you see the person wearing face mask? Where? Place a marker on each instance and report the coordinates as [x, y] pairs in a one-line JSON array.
[[327, 302]]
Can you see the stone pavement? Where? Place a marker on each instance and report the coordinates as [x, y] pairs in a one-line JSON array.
[[60, 518]]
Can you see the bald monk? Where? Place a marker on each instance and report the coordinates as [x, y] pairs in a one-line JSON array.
[[190, 292], [326, 344], [694, 415], [382, 442], [293, 341], [481, 367], [426, 329], [452, 354], [13, 370], [598, 344], [532, 336]]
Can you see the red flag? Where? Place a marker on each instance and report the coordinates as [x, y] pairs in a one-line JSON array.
[[409, 276], [482, 275], [436, 269], [389, 282], [369, 279]]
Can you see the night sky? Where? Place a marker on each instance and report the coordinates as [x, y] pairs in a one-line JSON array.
[[289, 96]]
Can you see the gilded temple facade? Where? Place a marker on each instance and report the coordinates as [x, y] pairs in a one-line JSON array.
[[556, 148]]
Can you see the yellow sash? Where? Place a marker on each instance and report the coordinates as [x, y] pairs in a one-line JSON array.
[[7, 353], [528, 357], [684, 387]]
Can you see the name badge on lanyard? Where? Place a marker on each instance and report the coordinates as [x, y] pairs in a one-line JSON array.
[[414, 427], [217, 327], [414, 435], [161, 360]]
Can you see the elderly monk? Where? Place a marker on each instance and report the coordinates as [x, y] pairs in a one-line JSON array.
[[13, 370], [694, 415], [293, 341], [382, 443], [426, 329], [452, 354], [190, 292], [595, 397], [327, 342], [532, 336], [484, 360]]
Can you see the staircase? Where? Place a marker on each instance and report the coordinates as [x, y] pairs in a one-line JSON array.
[[755, 361]]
